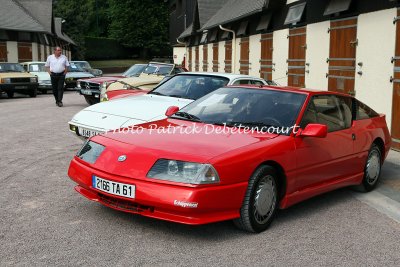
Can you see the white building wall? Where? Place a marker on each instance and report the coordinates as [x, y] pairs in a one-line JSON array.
[[210, 57], [201, 57], [42, 52], [221, 56], [376, 35], [317, 40], [255, 55], [35, 56], [12, 50], [279, 56], [179, 54], [236, 56]]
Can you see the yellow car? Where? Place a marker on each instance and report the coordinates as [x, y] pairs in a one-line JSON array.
[[14, 78]]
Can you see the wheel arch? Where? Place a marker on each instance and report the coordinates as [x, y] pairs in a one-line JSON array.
[[281, 176], [379, 142]]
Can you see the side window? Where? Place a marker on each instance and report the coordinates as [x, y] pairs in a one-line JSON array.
[[363, 111], [256, 82], [242, 82], [329, 110], [25, 67]]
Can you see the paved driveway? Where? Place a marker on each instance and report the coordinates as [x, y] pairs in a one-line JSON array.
[[44, 222]]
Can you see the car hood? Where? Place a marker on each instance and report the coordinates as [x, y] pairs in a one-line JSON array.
[[42, 75], [16, 75], [127, 111], [143, 149], [103, 79], [143, 79]]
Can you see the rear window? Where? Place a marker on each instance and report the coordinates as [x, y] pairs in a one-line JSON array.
[[363, 111]]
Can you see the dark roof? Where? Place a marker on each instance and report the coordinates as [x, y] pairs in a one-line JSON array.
[[208, 8], [41, 10], [59, 33], [235, 10], [186, 32], [13, 16]]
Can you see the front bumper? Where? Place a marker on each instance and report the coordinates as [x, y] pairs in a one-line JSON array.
[[18, 86], [45, 86], [88, 92], [159, 200], [80, 130]]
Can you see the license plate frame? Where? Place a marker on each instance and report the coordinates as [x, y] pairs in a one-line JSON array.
[[114, 188], [86, 92], [20, 87], [87, 132]]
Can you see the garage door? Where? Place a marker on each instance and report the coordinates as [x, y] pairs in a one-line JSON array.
[[266, 64], [395, 131], [205, 57], [3, 52], [244, 56], [215, 57], [297, 57], [342, 55], [228, 56]]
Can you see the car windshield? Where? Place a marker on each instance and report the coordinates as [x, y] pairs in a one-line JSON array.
[[158, 69], [82, 64], [190, 86], [74, 68], [134, 70], [37, 67], [11, 67], [247, 107]]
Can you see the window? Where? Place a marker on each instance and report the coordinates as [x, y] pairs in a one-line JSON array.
[[336, 6], [213, 35], [204, 38], [345, 105], [328, 110], [242, 28], [295, 13], [363, 111], [242, 82], [264, 23], [24, 36], [257, 82]]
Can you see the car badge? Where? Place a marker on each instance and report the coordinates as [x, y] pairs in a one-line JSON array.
[[122, 158], [103, 117]]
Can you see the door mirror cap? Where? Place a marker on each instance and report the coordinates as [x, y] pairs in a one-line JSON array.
[[314, 130], [171, 111]]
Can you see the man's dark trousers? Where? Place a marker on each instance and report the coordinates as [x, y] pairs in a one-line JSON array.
[[57, 83]]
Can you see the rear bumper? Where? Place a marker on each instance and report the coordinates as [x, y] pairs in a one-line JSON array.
[[164, 201]]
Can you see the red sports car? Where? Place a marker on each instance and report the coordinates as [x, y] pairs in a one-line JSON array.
[[237, 153]]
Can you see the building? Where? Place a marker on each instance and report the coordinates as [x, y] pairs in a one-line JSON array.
[[350, 46], [29, 32]]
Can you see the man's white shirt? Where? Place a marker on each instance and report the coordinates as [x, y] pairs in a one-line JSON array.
[[57, 65]]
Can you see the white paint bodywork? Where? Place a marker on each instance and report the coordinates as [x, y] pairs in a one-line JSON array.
[[128, 111], [376, 35]]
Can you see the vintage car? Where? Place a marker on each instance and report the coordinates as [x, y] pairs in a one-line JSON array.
[[152, 75], [14, 78], [86, 67], [38, 69], [90, 88], [75, 72], [180, 90], [236, 154]]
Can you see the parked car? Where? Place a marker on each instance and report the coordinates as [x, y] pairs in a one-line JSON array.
[[90, 88], [13, 78], [75, 72], [237, 153], [86, 67], [179, 90], [152, 75], [38, 69]]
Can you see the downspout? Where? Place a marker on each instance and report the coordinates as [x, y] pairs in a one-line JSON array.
[[233, 47], [186, 52]]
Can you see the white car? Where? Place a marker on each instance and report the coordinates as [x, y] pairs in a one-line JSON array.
[[37, 68], [179, 90]]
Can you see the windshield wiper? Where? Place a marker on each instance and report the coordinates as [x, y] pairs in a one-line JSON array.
[[187, 116], [155, 93]]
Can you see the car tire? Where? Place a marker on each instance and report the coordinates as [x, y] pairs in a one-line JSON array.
[[372, 170], [43, 91], [33, 93], [90, 100], [260, 202], [10, 94]]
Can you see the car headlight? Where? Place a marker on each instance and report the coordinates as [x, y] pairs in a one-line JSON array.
[[6, 80], [104, 98], [33, 80], [78, 84], [183, 172], [90, 151], [69, 79]]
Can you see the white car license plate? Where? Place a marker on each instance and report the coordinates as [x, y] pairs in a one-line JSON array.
[[86, 92], [114, 188], [21, 87], [87, 133]]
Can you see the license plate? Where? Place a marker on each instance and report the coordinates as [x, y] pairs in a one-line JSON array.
[[87, 133], [114, 188], [86, 92], [21, 87]]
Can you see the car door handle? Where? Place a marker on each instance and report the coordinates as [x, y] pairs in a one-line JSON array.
[[353, 136]]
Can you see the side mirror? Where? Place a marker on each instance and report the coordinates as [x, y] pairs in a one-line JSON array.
[[314, 130], [171, 111]]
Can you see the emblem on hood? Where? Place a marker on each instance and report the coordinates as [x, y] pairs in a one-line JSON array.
[[122, 158], [103, 117]]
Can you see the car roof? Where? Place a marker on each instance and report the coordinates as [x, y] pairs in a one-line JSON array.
[[226, 75]]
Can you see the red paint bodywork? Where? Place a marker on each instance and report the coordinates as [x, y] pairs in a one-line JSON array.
[[115, 94], [308, 166]]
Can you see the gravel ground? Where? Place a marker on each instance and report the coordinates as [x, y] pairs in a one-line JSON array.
[[44, 222]]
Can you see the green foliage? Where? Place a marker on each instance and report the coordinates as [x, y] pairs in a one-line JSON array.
[[106, 48]]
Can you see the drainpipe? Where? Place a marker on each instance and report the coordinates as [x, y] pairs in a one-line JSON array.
[[186, 52], [233, 47]]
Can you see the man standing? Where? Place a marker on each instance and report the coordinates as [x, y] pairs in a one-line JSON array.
[[56, 66]]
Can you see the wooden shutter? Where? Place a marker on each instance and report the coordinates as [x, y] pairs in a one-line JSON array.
[[297, 57], [3, 52], [196, 60], [24, 52], [228, 56], [215, 57], [395, 130], [190, 59], [266, 64], [244, 56], [205, 57]]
